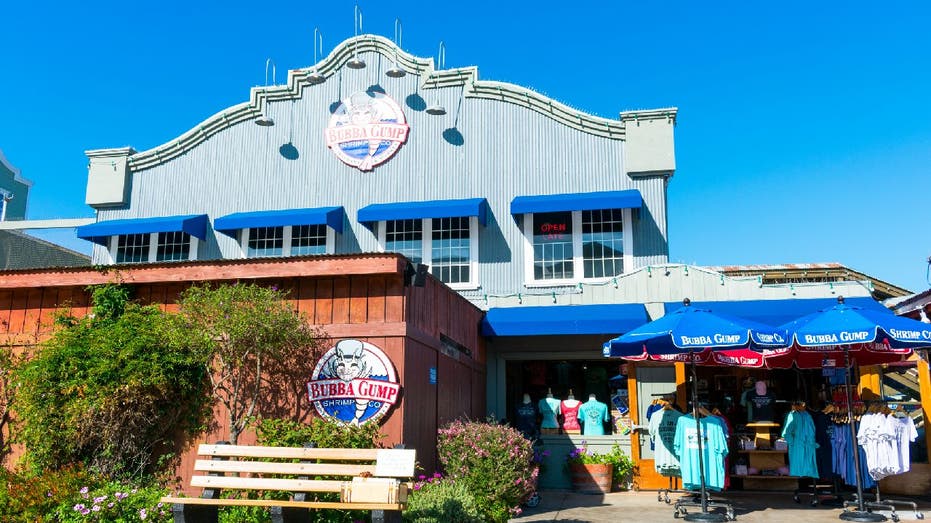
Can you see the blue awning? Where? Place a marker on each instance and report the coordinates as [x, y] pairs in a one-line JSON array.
[[378, 212], [630, 199], [612, 319], [776, 312], [232, 223], [100, 232]]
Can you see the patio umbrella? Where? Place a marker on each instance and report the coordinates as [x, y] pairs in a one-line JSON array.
[[697, 335], [852, 335]]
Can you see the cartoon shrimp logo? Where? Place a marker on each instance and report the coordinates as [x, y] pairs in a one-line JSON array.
[[366, 129], [353, 383]]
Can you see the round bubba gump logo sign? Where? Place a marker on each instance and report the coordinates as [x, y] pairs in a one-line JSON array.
[[366, 129], [353, 383]]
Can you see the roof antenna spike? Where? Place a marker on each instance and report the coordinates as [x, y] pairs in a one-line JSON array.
[[356, 62], [396, 72], [264, 120], [315, 77], [436, 109]]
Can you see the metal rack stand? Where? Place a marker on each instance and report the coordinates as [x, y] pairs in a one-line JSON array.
[[694, 499], [818, 490], [662, 495], [886, 504]]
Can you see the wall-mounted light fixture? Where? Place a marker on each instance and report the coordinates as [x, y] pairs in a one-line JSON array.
[[356, 62], [315, 77], [396, 72], [436, 109], [264, 120]]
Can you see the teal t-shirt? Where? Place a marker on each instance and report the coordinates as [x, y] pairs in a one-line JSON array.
[[799, 432], [549, 408], [714, 448], [593, 414]]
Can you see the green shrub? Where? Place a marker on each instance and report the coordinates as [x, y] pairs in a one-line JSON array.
[[114, 502], [277, 432], [109, 391], [441, 500], [32, 498], [495, 463], [325, 434]]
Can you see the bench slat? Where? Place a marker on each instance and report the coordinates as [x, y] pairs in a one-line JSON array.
[[251, 451], [308, 469], [276, 503], [289, 485]]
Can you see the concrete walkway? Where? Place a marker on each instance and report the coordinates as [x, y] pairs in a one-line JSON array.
[[570, 507]]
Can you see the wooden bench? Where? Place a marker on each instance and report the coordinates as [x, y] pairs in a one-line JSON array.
[[363, 479]]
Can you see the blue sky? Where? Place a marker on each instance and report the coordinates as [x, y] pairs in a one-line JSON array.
[[804, 130]]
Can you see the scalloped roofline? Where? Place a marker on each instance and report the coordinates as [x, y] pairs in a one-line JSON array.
[[466, 77], [16, 172]]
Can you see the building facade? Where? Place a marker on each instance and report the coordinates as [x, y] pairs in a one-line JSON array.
[[550, 221]]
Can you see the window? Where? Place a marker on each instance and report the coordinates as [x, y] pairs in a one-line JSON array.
[[308, 239], [264, 242], [405, 237], [173, 246], [288, 240], [570, 246], [153, 247], [603, 243], [552, 246], [132, 248], [451, 252]]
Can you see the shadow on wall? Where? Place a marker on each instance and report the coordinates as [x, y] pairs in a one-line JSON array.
[[494, 248], [648, 239], [347, 242]]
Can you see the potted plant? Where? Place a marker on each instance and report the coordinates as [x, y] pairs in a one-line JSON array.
[[590, 472], [596, 473]]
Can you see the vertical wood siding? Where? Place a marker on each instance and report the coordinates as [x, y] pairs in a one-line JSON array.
[[358, 303]]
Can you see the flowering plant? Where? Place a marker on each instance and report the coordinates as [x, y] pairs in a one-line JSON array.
[[582, 456], [623, 465], [494, 462], [114, 503]]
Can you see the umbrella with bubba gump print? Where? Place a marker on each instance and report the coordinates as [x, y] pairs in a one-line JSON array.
[[846, 335], [695, 335]]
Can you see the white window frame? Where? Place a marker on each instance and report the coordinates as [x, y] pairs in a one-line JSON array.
[[578, 266], [426, 249], [114, 243], [285, 240]]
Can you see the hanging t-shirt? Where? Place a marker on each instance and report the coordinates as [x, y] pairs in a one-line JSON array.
[[714, 448], [525, 418], [762, 406], [570, 415], [906, 434], [549, 409], [799, 433], [593, 414], [652, 409], [662, 428]]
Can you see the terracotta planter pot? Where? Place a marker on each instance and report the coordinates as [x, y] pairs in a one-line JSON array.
[[591, 479]]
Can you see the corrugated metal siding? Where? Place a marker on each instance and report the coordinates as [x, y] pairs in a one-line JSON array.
[[506, 151]]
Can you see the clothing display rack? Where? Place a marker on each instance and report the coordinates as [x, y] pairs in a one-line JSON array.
[[819, 490], [701, 498], [694, 499], [886, 504], [662, 495]]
